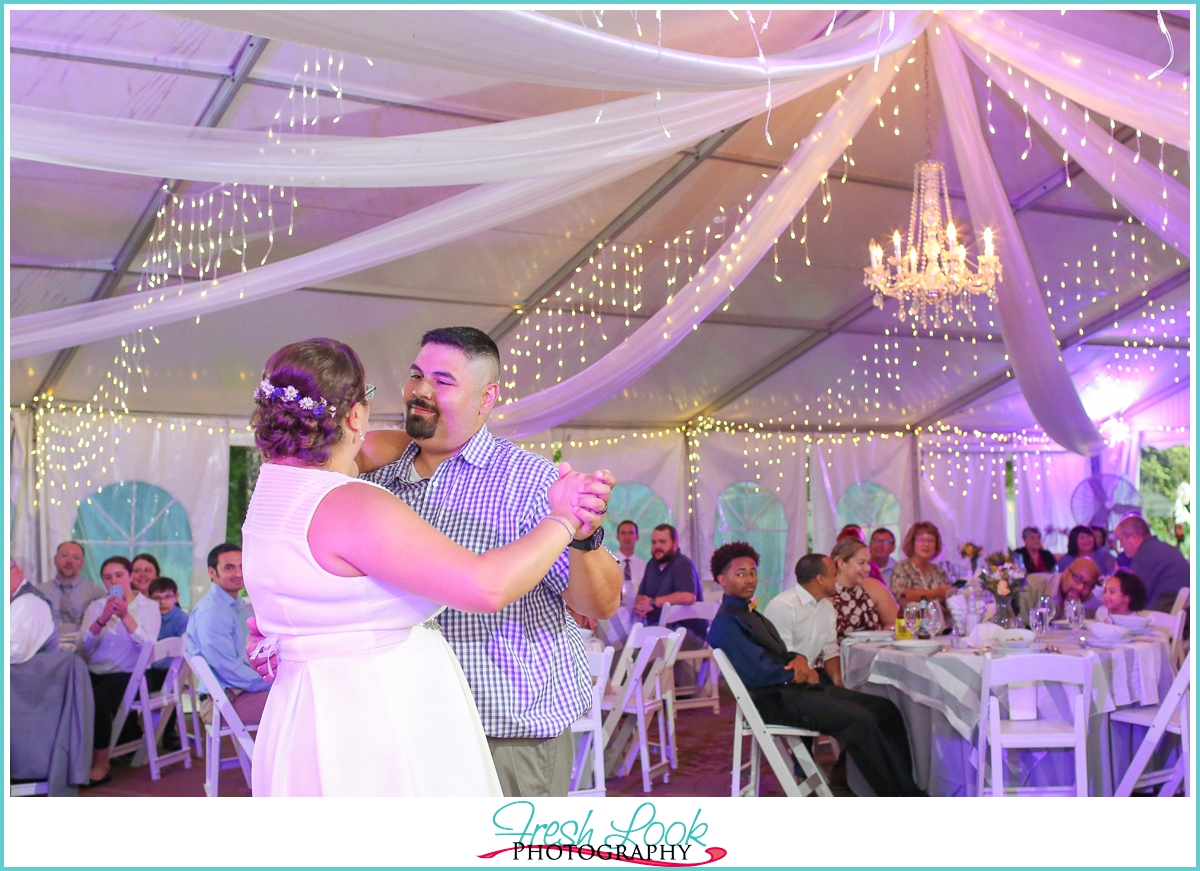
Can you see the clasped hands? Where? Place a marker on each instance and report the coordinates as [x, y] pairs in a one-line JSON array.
[[581, 499], [801, 672]]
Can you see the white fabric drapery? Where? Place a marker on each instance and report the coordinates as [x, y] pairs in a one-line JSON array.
[[962, 492], [776, 206], [459, 216], [1033, 350], [1100, 78], [837, 464], [171, 453], [562, 143], [1139, 186], [1044, 484], [526, 46], [23, 539]]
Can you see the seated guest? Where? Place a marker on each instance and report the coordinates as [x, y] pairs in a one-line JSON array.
[[882, 545], [633, 567], [861, 602], [1102, 553], [850, 530], [804, 617], [671, 577], [114, 629], [1124, 593], [785, 687], [1162, 568], [145, 570], [31, 627], [916, 577], [217, 632], [174, 624], [1033, 555], [1078, 581], [70, 593], [1081, 542]]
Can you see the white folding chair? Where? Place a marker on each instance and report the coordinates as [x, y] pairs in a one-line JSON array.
[[774, 741], [590, 750], [1172, 624], [155, 708], [1181, 600], [1171, 716], [641, 697], [24, 790], [706, 693], [1034, 732], [132, 689], [243, 743]]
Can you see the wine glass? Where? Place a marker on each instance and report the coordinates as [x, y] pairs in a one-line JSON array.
[[1039, 620], [1074, 614], [912, 617], [934, 620], [1045, 603]]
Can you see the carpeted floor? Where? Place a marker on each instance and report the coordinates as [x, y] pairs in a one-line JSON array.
[[705, 749]]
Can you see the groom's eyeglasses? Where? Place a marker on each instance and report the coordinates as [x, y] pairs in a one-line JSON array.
[[370, 392]]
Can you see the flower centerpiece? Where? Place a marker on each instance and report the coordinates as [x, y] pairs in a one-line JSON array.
[[971, 551], [1001, 577]]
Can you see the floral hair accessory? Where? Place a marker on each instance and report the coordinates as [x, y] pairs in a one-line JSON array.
[[267, 391]]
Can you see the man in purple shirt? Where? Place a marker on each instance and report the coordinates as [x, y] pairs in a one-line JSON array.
[[671, 577], [1162, 568]]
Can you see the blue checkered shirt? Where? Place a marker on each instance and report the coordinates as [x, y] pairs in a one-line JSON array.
[[525, 663]]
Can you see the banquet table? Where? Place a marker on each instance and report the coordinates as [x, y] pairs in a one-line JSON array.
[[939, 696]]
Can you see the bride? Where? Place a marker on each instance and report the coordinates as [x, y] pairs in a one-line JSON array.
[[345, 578]]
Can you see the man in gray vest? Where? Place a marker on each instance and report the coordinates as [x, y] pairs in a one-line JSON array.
[[70, 593], [31, 630]]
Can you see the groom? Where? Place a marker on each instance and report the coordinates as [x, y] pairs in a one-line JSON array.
[[526, 663]]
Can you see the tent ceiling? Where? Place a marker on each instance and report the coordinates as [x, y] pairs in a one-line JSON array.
[[68, 227]]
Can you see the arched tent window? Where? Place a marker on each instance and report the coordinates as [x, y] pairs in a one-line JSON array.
[[133, 517], [747, 512], [869, 506], [643, 506]]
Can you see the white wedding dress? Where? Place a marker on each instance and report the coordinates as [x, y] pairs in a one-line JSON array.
[[367, 701]]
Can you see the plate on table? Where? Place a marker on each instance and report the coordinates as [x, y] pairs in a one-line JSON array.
[[1117, 642], [870, 635], [1008, 651], [918, 643]]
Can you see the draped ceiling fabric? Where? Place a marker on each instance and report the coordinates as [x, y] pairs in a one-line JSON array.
[[1033, 349], [1104, 80], [538, 162], [1044, 484], [526, 46]]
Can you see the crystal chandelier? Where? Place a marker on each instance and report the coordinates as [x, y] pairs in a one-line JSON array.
[[933, 280]]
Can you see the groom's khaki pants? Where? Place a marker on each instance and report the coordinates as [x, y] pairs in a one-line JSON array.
[[534, 767]]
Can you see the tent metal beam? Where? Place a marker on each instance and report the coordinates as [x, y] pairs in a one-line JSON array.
[[1169, 18], [648, 198], [217, 106], [1026, 201], [183, 68], [788, 356], [1095, 325]]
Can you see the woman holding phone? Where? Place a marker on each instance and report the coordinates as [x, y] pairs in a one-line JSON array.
[[114, 629]]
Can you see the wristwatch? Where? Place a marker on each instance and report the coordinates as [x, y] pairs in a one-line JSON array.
[[592, 542]]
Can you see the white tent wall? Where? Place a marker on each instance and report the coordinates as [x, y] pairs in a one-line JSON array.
[[1044, 484], [189, 462], [841, 462], [774, 462], [22, 499], [655, 459], [963, 493]]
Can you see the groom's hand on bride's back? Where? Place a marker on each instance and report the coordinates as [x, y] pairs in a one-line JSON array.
[[262, 664]]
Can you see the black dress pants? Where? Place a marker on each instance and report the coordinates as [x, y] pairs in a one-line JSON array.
[[108, 690], [870, 728]]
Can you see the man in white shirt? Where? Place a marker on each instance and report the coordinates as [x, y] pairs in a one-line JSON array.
[[633, 568], [805, 618], [31, 629]]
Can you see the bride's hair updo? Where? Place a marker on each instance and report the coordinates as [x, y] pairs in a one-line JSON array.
[[308, 389]]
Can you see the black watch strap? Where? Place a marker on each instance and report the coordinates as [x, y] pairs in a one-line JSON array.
[[592, 542]]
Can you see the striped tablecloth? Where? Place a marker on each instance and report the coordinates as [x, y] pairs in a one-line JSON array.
[[1134, 673]]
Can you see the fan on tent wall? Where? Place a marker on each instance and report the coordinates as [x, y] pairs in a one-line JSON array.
[[1102, 500]]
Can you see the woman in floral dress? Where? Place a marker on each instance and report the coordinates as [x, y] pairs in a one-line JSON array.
[[861, 603]]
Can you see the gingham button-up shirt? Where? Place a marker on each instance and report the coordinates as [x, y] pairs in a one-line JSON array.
[[525, 664]]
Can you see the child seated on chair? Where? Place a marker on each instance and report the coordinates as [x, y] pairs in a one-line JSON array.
[[174, 623]]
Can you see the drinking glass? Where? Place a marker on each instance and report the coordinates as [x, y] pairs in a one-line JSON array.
[[1039, 621], [912, 617], [934, 621], [1045, 603], [1074, 614]]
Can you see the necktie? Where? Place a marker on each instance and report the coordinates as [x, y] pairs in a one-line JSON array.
[[628, 573]]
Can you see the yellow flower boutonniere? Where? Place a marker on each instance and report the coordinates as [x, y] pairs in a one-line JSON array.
[[754, 604]]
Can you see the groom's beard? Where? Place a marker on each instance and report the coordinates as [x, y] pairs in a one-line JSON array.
[[420, 426]]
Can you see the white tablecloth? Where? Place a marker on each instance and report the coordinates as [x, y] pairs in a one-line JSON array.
[[939, 697]]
